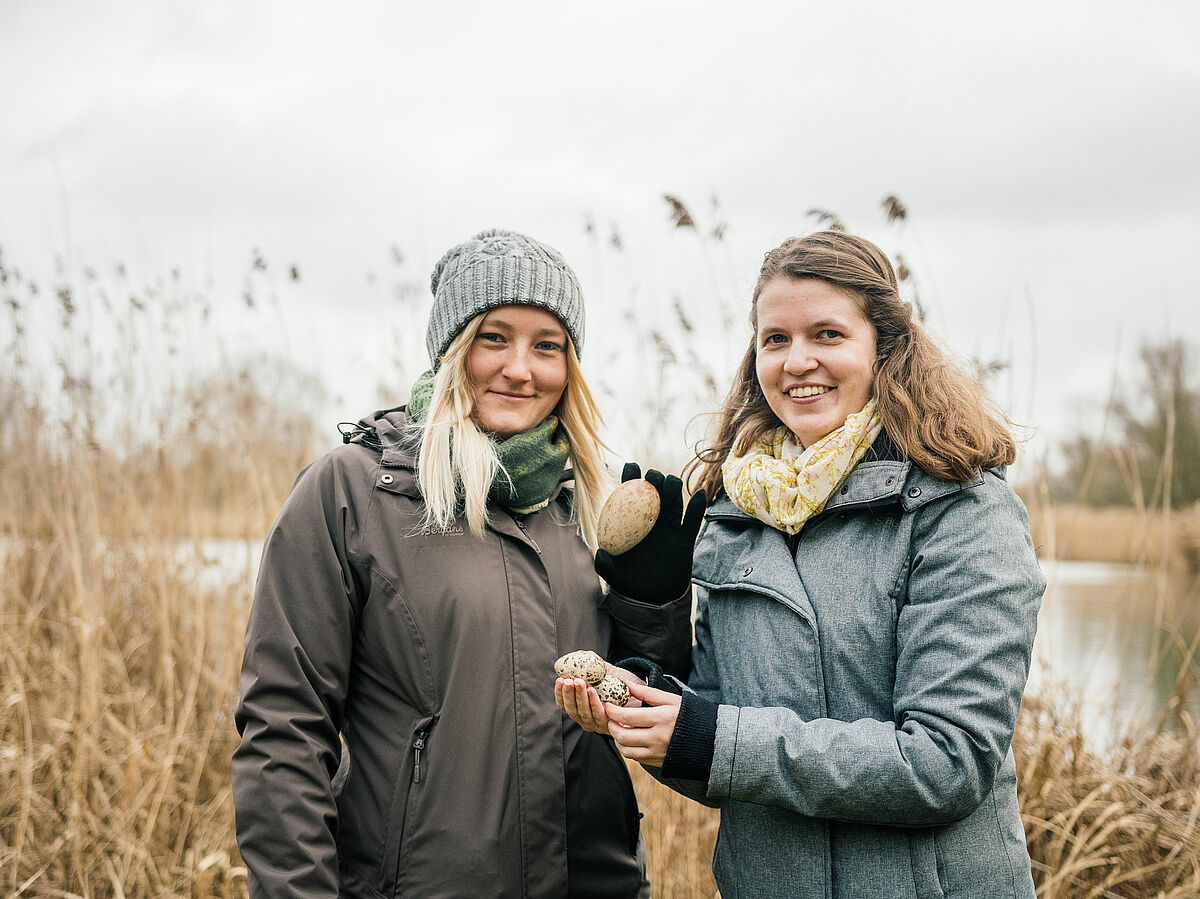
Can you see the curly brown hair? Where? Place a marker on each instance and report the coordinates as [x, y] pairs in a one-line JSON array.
[[935, 413]]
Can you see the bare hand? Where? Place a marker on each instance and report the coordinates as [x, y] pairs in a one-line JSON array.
[[582, 703], [643, 734]]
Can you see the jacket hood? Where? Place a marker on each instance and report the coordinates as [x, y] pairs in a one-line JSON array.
[[389, 432]]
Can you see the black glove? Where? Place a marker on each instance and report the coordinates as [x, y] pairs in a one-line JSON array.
[[659, 568]]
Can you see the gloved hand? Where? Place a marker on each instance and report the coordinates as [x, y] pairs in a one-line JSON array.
[[659, 568]]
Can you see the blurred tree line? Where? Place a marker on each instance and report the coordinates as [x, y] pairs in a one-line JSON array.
[[1150, 447]]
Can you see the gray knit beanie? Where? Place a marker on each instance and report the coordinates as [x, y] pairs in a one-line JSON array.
[[495, 268]]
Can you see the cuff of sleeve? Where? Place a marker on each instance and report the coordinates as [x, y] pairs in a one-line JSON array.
[[690, 752], [643, 615], [652, 674]]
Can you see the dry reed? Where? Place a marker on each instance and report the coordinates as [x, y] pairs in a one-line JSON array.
[[119, 656], [1122, 824], [117, 683]]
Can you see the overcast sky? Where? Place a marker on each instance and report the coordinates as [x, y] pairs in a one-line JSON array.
[[1048, 155]]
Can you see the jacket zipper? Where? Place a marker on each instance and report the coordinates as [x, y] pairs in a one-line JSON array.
[[536, 548], [418, 745]]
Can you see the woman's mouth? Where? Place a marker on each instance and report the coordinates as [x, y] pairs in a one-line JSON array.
[[512, 396], [801, 393]]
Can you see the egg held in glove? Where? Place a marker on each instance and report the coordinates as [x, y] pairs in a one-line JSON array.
[[627, 516]]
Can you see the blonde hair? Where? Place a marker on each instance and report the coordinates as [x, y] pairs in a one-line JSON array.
[[936, 414], [464, 477]]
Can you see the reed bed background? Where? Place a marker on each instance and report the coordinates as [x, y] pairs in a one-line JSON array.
[[120, 642], [1115, 534]]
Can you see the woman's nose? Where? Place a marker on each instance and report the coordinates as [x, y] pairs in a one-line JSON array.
[[516, 365], [800, 359]]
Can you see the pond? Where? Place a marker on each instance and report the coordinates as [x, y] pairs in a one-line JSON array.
[[1116, 638]]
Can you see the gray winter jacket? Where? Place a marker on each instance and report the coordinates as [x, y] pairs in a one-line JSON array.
[[432, 656], [869, 672]]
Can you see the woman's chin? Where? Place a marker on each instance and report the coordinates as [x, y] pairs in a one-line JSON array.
[[503, 426], [809, 431]]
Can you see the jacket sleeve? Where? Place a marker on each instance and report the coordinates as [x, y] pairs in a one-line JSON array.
[[293, 687], [662, 634], [964, 641]]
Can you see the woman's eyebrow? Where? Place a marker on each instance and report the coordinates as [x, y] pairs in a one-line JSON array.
[[539, 332], [766, 325], [495, 318], [828, 322]]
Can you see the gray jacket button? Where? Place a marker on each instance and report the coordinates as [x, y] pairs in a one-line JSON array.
[[386, 479], [914, 492]]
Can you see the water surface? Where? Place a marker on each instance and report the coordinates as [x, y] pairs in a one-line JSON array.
[[1114, 637]]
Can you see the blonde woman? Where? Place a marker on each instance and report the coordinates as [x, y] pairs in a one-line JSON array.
[[399, 736], [868, 597]]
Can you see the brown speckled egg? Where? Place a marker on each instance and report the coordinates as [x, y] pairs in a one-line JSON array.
[[582, 663], [613, 689], [627, 516]]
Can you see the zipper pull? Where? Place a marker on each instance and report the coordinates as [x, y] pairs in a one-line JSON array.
[[418, 745], [536, 548]]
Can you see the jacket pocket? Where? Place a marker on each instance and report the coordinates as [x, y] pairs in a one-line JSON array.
[[412, 772], [926, 866]]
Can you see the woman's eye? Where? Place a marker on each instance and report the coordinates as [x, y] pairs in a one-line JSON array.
[[549, 346], [774, 338], [490, 336], [828, 334]]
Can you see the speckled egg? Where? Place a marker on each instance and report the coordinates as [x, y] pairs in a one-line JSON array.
[[582, 663], [627, 516], [613, 689]]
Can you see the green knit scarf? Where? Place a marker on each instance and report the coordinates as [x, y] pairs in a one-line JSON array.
[[533, 460]]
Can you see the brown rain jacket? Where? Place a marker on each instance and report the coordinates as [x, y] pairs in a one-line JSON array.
[[432, 657]]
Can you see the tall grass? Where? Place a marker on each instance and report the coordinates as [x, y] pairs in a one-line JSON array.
[[118, 667], [1125, 823], [115, 727], [119, 653], [118, 679], [118, 649]]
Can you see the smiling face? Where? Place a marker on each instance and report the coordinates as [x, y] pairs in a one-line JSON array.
[[518, 367], [815, 355]]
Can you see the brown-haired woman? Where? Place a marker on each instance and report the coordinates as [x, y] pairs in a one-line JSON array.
[[868, 597]]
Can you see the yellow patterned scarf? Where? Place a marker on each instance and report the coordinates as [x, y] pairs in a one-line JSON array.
[[785, 485]]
